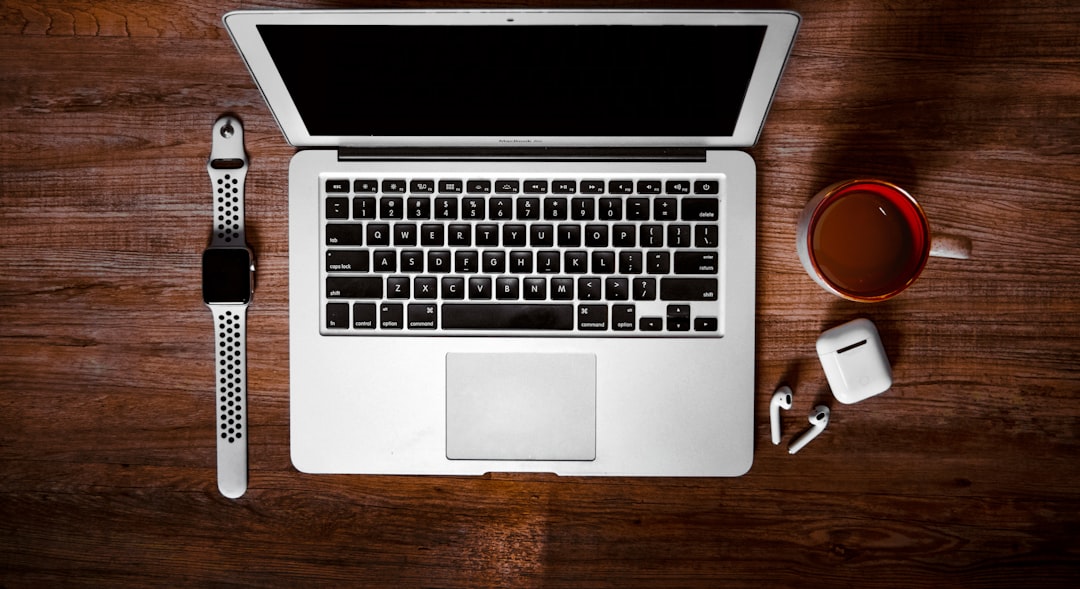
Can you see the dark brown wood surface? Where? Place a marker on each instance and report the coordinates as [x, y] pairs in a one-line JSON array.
[[964, 474]]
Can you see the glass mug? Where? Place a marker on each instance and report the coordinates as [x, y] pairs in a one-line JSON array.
[[868, 240]]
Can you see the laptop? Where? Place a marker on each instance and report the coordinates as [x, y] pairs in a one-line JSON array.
[[520, 241]]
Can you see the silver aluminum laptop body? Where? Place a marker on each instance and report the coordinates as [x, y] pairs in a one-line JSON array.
[[576, 402]]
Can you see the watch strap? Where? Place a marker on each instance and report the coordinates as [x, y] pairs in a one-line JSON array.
[[227, 166], [230, 371]]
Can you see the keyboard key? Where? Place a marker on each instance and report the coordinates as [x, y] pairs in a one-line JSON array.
[[466, 261], [418, 208], [487, 234], [678, 235], [688, 289], [347, 261], [621, 187], [507, 186], [397, 287], [528, 209], [697, 262], [446, 208], [582, 209], [391, 315], [337, 207], [562, 289], [453, 287], [507, 288], [378, 234], [438, 261], [592, 187], [363, 316], [354, 287], [344, 234], [623, 317], [459, 234], [541, 235], [603, 262], [384, 261], [564, 186], [536, 186], [637, 209], [494, 261], [450, 186], [478, 186], [404, 234], [547, 262], [569, 235], [423, 316], [700, 209], [393, 186], [432, 234], [535, 289], [412, 261], [365, 185], [555, 209], [390, 207], [678, 317], [502, 209], [422, 186], [424, 287], [610, 209], [644, 289], [596, 236], [705, 324], [514, 235], [577, 262], [658, 262], [623, 236], [664, 209], [479, 288], [473, 208], [707, 187], [677, 187], [337, 185], [592, 317], [648, 186], [706, 235], [589, 288], [337, 315], [617, 289], [499, 316], [651, 324], [363, 207]]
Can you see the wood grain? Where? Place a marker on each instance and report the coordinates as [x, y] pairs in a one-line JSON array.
[[964, 474]]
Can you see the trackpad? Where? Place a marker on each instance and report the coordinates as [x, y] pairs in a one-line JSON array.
[[520, 406]]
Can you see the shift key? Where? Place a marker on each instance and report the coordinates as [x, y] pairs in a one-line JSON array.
[[354, 287], [688, 289]]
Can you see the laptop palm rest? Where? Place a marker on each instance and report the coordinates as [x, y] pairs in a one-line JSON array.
[[520, 406]]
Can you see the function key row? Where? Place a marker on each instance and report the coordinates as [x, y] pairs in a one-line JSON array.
[[401, 186]]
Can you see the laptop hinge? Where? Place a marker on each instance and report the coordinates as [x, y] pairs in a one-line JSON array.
[[565, 154]]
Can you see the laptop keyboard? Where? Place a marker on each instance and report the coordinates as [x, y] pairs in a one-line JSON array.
[[619, 257]]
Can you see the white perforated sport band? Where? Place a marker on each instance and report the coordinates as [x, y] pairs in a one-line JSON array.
[[227, 168], [231, 378]]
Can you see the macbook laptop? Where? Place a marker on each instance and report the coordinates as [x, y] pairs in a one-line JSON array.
[[520, 241]]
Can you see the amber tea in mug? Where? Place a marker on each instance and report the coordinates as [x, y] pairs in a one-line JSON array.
[[864, 240]]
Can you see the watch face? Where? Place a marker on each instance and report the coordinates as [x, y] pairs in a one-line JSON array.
[[226, 275]]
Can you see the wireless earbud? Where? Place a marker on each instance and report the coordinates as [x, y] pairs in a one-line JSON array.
[[818, 420], [781, 399]]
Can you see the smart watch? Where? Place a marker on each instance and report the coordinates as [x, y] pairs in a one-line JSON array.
[[228, 282]]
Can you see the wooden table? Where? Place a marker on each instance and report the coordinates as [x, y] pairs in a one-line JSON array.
[[964, 474]]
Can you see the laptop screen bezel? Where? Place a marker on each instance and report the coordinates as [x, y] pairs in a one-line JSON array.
[[776, 45]]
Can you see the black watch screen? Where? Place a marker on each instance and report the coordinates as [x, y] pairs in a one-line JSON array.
[[226, 276]]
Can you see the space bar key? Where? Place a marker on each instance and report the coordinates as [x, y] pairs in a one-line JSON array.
[[508, 316]]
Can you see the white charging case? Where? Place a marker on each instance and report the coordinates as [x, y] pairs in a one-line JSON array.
[[854, 361]]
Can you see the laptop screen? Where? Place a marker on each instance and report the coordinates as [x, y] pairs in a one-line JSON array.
[[546, 80]]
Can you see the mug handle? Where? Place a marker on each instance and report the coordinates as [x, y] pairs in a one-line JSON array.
[[950, 246]]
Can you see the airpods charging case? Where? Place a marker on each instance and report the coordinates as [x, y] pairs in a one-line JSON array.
[[854, 361]]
